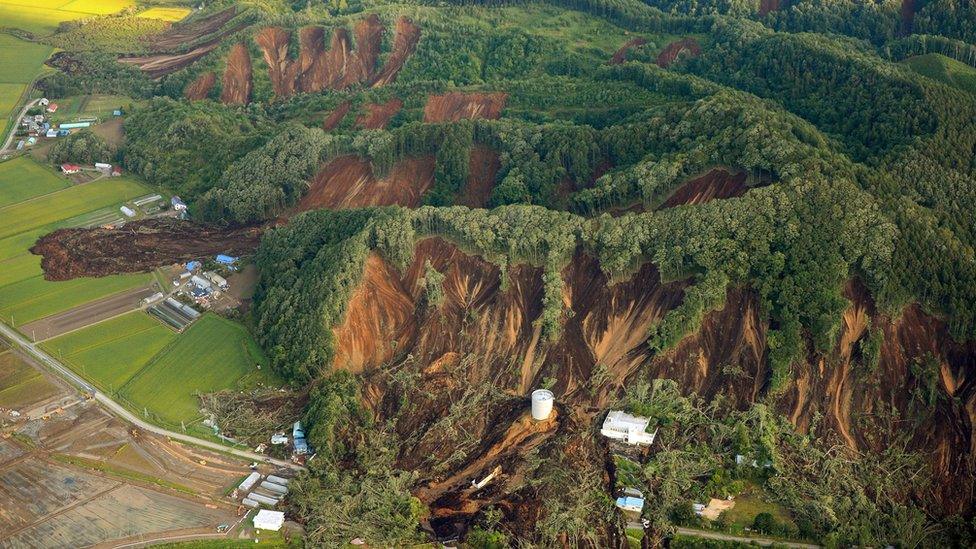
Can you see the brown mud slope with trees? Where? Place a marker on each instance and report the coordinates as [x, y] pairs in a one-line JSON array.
[[454, 106], [200, 87], [338, 67], [139, 246], [672, 50], [767, 6], [349, 182], [454, 367], [621, 54], [716, 184], [182, 44], [236, 89], [378, 115], [483, 166], [335, 117], [161, 64]]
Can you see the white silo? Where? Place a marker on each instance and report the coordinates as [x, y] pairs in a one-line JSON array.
[[542, 400]]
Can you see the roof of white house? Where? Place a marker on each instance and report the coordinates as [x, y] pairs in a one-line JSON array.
[[623, 426], [269, 520]]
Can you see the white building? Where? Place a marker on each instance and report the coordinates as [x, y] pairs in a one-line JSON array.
[[624, 427], [269, 520]]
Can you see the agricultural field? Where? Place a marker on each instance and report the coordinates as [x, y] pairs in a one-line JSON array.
[[21, 61], [213, 354], [42, 17], [35, 298], [945, 70], [22, 179], [21, 384], [51, 208], [165, 14], [111, 352], [89, 106]]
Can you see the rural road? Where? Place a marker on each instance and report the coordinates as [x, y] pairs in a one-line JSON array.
[[118, 410], [765, 542], [13, 129]]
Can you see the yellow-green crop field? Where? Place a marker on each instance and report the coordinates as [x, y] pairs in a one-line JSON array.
[[165, 14], [111, 352], [42, 17]]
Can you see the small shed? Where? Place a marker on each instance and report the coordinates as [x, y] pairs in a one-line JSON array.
[[269, 520], [127, 211]]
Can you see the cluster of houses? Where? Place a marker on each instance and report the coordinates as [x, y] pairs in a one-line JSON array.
[[204, 286]]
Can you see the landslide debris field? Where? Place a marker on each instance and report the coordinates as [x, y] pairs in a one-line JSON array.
[[136, 247]]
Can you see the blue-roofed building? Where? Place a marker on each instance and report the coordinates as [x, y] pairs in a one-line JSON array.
[[226, 259], [178, 204], [301, 447], [192, 266], [628, 503]]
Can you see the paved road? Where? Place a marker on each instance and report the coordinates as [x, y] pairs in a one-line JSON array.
[[117, 409], [765, 542], [16, 125]]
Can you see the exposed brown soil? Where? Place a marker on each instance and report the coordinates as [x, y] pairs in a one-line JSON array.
[[404, 44], [717, 183], [339, 66], [179, 35], [160, 64], [335, 117], [483, 166], [349, 182], [907, 17], [621, 54], [454, 106], [201, 86], [482, 335], [672, 50], [236, 88], [766, 6], [378, 115], [139, 246]]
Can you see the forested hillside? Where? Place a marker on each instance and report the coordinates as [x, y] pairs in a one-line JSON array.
[[749, 220]]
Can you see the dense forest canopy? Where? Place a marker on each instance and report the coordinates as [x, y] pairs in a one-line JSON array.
[[538, 137]]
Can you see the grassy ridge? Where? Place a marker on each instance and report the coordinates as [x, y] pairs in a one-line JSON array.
[[944, 69]]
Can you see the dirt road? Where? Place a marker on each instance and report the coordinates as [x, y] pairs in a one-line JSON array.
[[763, 542], [87, 314], [115, 408]]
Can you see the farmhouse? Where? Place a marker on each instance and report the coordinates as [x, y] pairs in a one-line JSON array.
[[52, 107], [624, 427], [69, 169], [178, 204], [116, 171]]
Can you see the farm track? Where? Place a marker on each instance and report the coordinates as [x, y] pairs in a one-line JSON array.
[[87, 314]]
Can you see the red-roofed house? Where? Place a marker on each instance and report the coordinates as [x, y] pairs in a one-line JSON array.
[[52, 107], [69, 169], [116, 171]]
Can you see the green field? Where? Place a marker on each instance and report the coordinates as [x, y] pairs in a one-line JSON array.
[[89, 106], [36, 298], [22, 178], [20, 384], [213, 354], [945, 70], [111, 352], [20, 61], [50, 208]]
